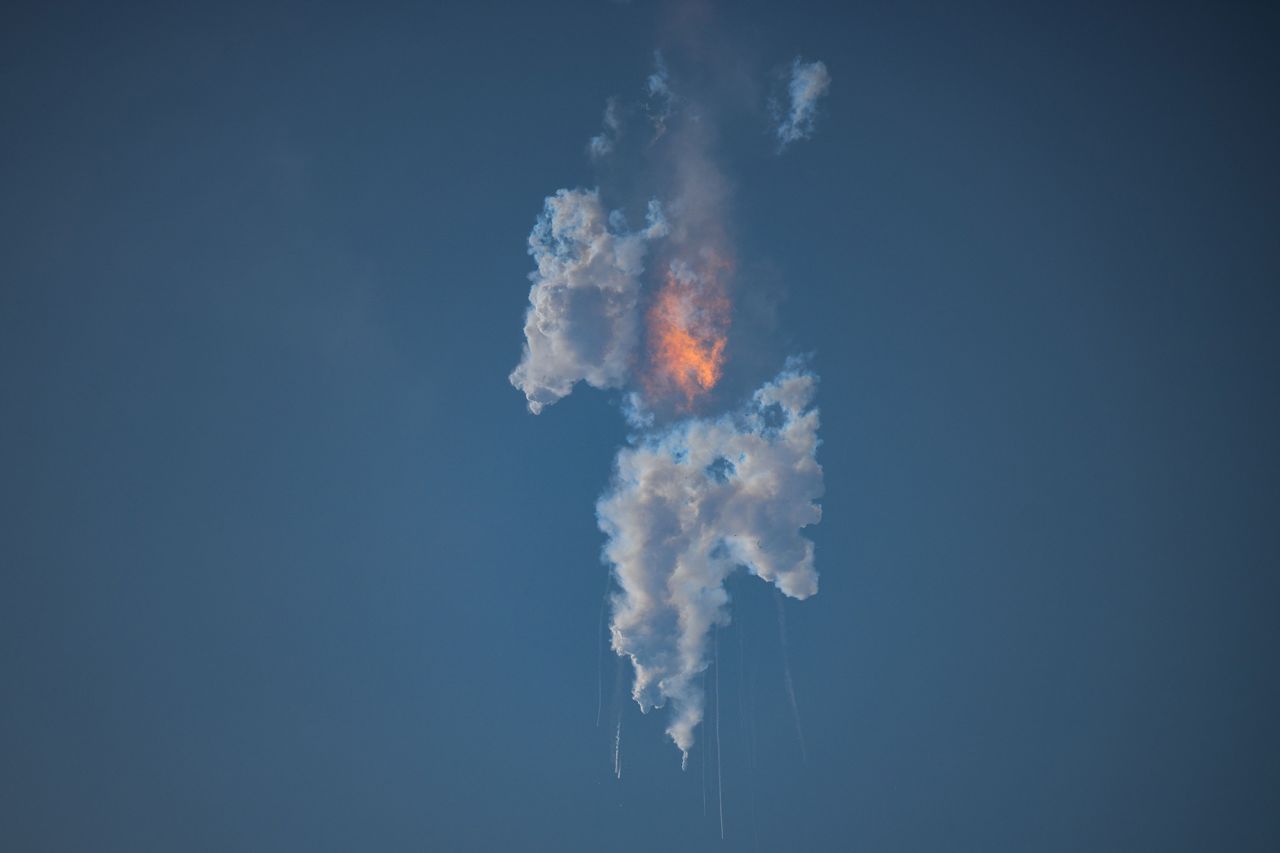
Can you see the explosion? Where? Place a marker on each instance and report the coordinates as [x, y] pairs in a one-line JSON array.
[[703, 488], [688, 327]]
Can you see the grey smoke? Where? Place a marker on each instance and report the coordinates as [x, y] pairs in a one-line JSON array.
[[786, 676]]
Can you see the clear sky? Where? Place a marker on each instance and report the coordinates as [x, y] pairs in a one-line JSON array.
[[288, 566]]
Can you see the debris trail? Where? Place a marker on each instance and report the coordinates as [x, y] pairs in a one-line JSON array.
[[617, 749], [751, 693], [742, 680], [703, 750], [620, 706], [713, 480], [719, 765], [746, 726], [786, 673], [604, 599]]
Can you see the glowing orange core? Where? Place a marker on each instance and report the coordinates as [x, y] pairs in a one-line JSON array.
[[688, 329]]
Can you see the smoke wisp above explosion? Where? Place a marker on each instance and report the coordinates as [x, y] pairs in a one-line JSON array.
[[648, 311]]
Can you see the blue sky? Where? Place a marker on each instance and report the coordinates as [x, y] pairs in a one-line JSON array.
[[288, 566]]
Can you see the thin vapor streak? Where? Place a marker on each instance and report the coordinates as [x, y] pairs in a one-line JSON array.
[[604, 600], [617, 749], [719, 764], [745, 725], [786, 674], [742, 678], [620, 706], [704, 755]]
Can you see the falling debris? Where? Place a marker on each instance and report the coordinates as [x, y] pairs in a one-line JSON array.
[[719, 763], [619, 707], [604, 601], [704, 755], [786, 674], [617, 749]]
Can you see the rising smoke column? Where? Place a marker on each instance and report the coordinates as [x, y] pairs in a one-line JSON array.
[[694, 496]]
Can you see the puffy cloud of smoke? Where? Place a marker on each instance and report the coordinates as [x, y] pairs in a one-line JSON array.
[[809, 82], [688, 505], [583, 318]]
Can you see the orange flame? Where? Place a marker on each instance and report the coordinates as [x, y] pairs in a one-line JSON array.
[[688, 330]]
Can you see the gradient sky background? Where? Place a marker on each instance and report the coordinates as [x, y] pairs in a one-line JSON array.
[[287, 566]]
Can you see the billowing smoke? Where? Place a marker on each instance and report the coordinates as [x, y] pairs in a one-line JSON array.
[[809, 82], [647, 311], [688, 506], [582, 322]]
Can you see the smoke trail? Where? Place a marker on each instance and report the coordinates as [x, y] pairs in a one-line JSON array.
[[619, 707], [604, 600], [704, 755], [600, 664], [744, 725], [617, 749], [751, 693], [786, 674], [742, 677], [719, 765]]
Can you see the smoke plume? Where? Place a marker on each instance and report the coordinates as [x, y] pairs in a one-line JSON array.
[[695, 495]]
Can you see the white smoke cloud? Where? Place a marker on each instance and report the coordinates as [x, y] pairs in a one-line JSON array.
[[583, 322], [809, 82], [690, 504]]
